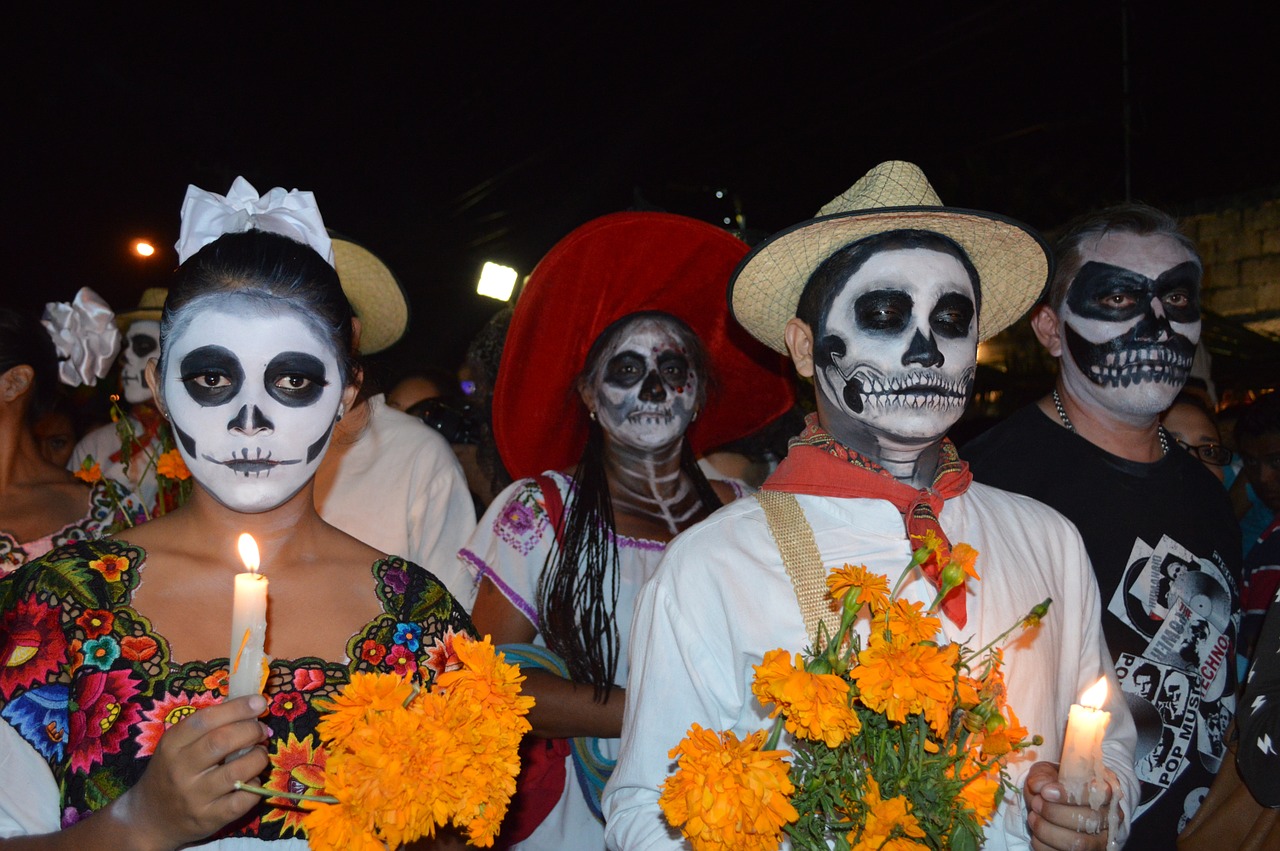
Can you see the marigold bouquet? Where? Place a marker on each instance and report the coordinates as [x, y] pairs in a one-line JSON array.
[[403, 761], [900, 742]]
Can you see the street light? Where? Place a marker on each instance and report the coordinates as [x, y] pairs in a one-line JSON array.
[[496, 281], [143, 248]]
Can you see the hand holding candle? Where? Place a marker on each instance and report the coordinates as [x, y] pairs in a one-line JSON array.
[[1081, 771], [248, 624]]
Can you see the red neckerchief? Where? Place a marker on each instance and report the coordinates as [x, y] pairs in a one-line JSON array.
[[149, 418], [817, 464]]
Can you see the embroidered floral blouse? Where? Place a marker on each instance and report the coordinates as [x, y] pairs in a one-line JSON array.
[[88, 684], [109, 503]]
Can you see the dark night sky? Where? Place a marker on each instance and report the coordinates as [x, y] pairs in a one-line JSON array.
[[441, 138]]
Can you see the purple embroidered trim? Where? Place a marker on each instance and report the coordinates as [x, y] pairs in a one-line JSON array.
[[483, 571]]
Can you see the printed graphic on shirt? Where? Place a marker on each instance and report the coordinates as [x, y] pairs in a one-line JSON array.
[[1180, 690]]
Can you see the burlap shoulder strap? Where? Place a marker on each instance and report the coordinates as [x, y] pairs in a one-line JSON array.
[[801, 558]]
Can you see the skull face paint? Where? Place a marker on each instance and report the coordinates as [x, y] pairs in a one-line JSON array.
[[646, 392], [1130, 326], [897, 351], [142, 343], [253, 398]]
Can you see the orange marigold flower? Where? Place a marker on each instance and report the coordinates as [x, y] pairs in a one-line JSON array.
[[89, 471], [339, 827], [908, 620], [889, 825], [816, 705], [728, 794], [897, 678], [359, 701], [1002, 733], [966, 557], [171, 466], [929, 544], [485, 678], [983, 791], [872, 588]]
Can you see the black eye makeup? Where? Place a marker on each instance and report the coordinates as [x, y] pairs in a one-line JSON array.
[[952, 316], [887, 311], [674, 368], [295, 379], [624, 369], [211, 375], [1114, 294], [142, 344]]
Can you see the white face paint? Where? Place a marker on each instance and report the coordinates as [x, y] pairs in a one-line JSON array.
[[898, 348], [645, 389], [141, 344], [1130, 324], [253, 397]]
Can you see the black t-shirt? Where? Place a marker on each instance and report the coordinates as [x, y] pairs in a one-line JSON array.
[[1165, 548]]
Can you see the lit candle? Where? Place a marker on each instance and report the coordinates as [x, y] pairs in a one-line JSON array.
[[1081, 771], [248, 624]]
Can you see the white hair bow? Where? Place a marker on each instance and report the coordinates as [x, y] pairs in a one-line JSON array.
[[293, 213], [84, 333]]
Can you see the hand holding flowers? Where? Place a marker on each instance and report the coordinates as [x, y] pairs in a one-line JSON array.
[[900, 740]]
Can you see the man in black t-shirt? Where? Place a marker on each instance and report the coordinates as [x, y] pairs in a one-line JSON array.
[[1122, 317]]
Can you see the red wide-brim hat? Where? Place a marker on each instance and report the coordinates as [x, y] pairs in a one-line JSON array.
[[604, 270]]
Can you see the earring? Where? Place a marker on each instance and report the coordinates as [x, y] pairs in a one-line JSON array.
[[592, 415], [342, 409], [695, 416]]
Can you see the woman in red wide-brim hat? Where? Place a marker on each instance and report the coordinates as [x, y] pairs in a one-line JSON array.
[[621, 366]]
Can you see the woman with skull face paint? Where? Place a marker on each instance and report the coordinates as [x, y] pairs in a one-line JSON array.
[[141, 329], [41, 505], [561, 554], [115, 730]]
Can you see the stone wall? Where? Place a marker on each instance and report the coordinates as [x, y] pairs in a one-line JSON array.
[[1241, 251]]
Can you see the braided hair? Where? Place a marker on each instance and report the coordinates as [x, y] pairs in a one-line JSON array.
[[577, 621]]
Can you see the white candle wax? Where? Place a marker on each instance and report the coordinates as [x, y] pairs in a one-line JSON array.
[[1081, 770], [248, 625]]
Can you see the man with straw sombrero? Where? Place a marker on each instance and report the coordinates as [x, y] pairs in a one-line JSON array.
[[881, 299]]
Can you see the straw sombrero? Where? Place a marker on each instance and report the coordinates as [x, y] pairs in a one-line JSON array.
[[606, 269], [374, 293], [150, 306], [1012, 260]]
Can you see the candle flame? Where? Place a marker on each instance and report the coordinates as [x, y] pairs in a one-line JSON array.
[[248, 552], [1095, 695]]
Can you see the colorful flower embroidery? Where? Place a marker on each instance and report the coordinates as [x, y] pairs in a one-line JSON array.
[[93, 689], [297, 766], [101, 653], [407, 635], [373, 652], [164, 713], [217, 682], [101, 722], [441, 656], [138, 648], [522, 520], [288, 705], [40, 717], [110, 566], [32, 645], [308, 679], [401, 660], [96, 622]]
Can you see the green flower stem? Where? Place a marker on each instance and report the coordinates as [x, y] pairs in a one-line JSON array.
[[1018, 625], [124, 428], [775, 734], [292, 796]]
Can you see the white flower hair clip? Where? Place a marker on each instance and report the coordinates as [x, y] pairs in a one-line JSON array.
[[85, 334], [292, 213]]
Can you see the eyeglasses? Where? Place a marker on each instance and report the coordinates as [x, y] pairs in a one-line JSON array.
[[1210, 453]]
